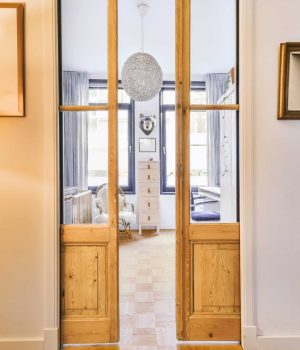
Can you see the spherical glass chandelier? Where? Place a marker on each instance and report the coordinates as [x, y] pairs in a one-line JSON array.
[[141, 73]]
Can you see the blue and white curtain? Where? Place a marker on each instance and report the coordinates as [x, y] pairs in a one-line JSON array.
[[215, 88], [75, 130]]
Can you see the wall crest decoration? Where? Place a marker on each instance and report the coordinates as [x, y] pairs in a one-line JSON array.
[[147, 123]]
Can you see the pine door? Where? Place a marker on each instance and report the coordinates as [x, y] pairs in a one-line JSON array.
[[208, 265], [89, 251]]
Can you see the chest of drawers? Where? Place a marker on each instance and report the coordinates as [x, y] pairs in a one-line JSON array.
[[148, 191]]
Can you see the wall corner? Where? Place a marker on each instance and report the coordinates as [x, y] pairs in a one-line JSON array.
[[51, 339], [249, 338]]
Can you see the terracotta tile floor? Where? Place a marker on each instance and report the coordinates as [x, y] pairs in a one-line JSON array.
[[147, 292]]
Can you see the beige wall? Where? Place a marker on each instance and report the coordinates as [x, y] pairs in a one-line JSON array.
[[26, 187]]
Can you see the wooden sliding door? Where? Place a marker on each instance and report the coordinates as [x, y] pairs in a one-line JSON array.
[[89, 250], [208, 266]]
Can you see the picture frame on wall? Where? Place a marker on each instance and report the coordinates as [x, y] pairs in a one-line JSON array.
[[12, 100], [289, 81], [147, 144]]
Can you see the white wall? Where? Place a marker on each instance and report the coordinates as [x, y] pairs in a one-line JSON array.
[[277, 178], [167, 202]]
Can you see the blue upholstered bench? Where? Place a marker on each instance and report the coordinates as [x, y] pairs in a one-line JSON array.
[[205, 216]]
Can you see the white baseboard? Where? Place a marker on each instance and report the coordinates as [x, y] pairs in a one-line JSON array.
[[22, 344], [278, 342], [250, 338], [51, 339]]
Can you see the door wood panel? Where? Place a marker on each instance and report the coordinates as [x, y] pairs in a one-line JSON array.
[[85, 274], [216, 280], [85, 290]]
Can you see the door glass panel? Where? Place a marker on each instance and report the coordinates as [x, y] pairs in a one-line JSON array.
[[170, 148], [213, 166], [85, 167], [84, 49], [213, 49], [123, 144]]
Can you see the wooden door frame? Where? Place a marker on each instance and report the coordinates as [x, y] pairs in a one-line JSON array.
[[50, 336]]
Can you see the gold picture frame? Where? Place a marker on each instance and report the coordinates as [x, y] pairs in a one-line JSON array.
[[12, 99], [289, 81]]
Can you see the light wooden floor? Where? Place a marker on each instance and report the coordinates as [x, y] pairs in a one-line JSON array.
[[147, 295], [147, 292]]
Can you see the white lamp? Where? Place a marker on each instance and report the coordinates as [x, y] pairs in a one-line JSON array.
[[141, 73]]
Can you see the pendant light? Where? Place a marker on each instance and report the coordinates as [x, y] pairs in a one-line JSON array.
[[141, 73]]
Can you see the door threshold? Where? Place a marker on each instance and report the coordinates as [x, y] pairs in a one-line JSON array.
[[90, 345], [207, 342]]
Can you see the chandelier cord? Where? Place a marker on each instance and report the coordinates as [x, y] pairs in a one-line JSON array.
[[142, 33]]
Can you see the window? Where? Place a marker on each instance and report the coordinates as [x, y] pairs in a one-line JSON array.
[[168, 137], [98, 124]]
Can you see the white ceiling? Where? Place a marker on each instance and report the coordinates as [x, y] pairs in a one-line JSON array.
[[84, 32]]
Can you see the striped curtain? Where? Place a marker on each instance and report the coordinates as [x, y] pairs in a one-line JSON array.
[[215, 88], [75, 130]]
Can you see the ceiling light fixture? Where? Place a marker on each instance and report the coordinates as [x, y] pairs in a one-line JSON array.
[[141, 73]]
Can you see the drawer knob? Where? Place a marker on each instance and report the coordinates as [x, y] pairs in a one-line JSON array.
[[210, 334], [148, 166], [149, 177], [149, 218], [149, 191], [149, 204]]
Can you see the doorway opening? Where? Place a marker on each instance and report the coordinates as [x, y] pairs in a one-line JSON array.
[[124, 202]]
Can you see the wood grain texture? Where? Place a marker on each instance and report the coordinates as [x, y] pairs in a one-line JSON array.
[[84, 234], [230, 107], [179, 161], [84, 280], [207, 302], [90, 294], [281, 81], [113, 185], [84, 294], [216, 231], [64, 108], [209, 328], [91, 330], [216, 286]]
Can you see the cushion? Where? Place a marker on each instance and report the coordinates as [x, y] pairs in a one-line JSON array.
[[205, 216], [128, 216]]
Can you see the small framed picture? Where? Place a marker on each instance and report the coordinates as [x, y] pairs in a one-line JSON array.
[[147, 145]]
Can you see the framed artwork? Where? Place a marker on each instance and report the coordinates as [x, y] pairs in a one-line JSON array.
[[289, 81], [12, 60], [147, 145]]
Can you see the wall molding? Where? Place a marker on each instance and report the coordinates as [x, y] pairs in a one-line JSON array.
[[246, 174], [51, 339], [249, 338], [278, 342], [24, 344], [51, 194]]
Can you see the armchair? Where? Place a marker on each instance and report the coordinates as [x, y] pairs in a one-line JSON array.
[[127, 216]]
